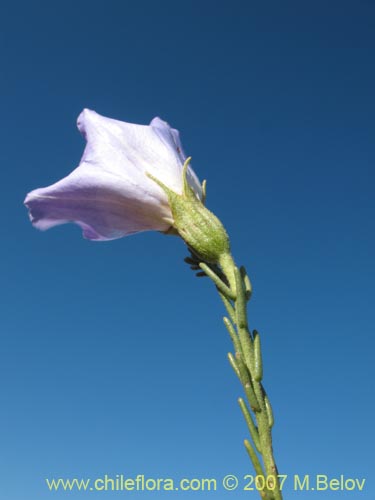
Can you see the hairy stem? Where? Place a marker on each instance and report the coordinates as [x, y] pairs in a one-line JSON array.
[[235, 290]]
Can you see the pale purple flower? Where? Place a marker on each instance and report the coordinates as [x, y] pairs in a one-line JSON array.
[[109, 194]]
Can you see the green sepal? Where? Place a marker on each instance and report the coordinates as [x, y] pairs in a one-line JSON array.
[[198, 227]]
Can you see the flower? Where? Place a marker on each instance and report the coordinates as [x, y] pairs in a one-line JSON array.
[[110, 194], [131, 178]]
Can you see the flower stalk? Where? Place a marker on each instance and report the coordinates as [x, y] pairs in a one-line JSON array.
[[234, 287]]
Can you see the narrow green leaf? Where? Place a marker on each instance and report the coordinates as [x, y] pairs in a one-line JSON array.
[[258, 364], [247, 283], [190, 261], [250, 423], [233, 335], [228, 307], [254, 458], [247, 384], [233, 364], [218, 282], [269, 411], [201, 274]]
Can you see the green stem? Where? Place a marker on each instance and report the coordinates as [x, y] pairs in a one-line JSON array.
[[247, 364]]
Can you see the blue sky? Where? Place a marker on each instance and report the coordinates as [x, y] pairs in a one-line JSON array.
[[113, 356]]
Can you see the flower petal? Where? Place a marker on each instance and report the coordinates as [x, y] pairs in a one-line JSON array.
[[109, 194], [137, 148], [105, 207]]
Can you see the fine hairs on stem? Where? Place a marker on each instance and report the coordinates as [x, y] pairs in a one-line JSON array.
[[235, 289]]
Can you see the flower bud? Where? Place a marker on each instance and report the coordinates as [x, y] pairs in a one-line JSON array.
[[201, 230]]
